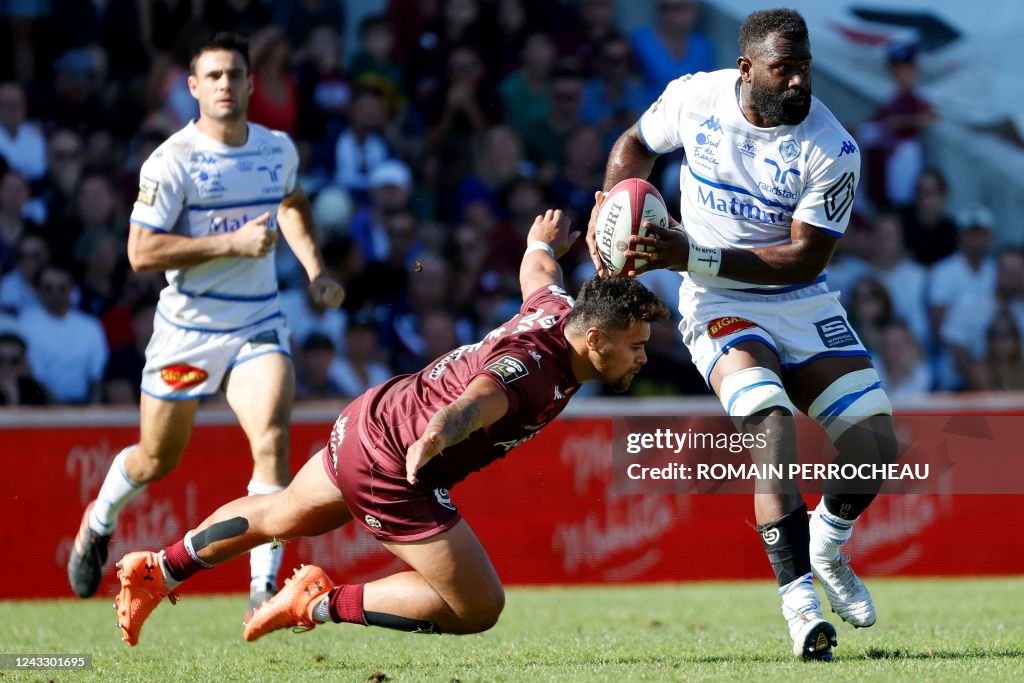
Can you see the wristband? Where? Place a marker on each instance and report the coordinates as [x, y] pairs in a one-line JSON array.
[[703, 260], [538, 245]]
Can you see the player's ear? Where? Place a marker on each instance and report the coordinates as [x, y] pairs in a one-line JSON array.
[[595, 339], [193, 83], [744, 65]]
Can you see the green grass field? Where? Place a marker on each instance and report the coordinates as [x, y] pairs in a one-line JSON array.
[[969, 629]]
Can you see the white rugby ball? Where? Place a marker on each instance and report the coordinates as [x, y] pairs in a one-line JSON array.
[[626, 207]]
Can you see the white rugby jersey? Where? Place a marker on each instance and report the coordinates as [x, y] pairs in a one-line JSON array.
[[195, 186], [742, 185]]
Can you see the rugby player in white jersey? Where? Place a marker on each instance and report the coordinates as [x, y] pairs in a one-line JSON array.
[[212, 200], [767, 184]]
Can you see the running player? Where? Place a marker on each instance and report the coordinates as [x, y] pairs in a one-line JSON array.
[[396, 451], [767, 183], [211, 201]]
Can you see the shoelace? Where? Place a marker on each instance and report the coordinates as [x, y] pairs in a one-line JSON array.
[[847, 581]]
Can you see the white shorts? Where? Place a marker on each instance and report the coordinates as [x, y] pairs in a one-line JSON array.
[[801, 326], [184, 363]]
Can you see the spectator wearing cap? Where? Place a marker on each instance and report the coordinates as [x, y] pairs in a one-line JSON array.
[[17, 385], [970, 270], [930, 234], [313, 363], [895, 155], [358, 368], [70, 371], [966, 324], [21, 142], [390, 189]]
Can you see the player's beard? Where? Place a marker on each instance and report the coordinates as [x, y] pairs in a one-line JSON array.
[[780, 107]]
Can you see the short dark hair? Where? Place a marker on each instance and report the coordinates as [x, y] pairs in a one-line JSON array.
[[225, 40], [759, 25], [614, 304]]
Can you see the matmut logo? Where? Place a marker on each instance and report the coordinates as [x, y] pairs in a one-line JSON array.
[[183, 376], [722, 327]]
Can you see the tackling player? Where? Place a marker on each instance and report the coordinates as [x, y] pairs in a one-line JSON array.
[[767, 183], [211, 201], [396, 451]]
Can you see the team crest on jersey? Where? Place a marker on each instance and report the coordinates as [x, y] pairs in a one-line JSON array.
[[205, 173], [723, 327], [789, 149], [147, 191], [509, 369], [182, 376]]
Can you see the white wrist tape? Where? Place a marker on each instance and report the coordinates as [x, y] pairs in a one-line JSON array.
[[703, 260], [537, 245]]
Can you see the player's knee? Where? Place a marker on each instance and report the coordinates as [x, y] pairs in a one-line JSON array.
[[850, 400], [485, 613], [149, 464], [754, 392]]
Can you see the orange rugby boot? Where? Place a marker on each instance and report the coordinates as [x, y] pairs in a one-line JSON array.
[[142, 589], [293, 605]]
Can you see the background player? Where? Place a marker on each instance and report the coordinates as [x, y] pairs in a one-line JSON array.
[[211, 201], [767, 183], [396, 451]]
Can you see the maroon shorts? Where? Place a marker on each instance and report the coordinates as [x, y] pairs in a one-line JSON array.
[[379, 498]]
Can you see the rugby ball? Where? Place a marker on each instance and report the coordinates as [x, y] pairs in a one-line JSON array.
[[626, 207]]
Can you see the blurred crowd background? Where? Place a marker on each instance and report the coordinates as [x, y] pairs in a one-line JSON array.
[[430, 135]]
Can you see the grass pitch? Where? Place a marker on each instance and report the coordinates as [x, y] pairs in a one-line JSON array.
[[934, 630]]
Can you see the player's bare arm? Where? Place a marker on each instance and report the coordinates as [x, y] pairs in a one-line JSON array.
[[152, 250], [549, 233], [798, 262], [480, 405], [629, 158], [296, 220]]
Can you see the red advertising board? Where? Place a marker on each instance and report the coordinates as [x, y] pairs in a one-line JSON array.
[[546, 514]]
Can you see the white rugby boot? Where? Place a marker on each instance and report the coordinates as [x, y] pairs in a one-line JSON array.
[[813, 637], [846, 593]]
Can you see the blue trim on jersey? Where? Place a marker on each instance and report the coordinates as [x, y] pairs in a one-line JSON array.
[[743, 390], [781, 290], [829, 415], [642, 138], [741, 190], [147, 225], [170, 322], [825, 354], [228, 297], [831, 233], [731, 343], [177, 398], [238, 362], [218, 207]]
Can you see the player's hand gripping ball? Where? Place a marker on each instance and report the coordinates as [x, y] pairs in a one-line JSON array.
[[624, 210]]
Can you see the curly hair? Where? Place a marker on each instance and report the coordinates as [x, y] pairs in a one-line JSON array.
[[225, 40], [759, 25], [612, 304]]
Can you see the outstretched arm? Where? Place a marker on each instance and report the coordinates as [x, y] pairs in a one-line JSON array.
[[548, 241], [480, 405]]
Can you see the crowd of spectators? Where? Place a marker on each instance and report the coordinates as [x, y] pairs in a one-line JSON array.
[[427, 148]]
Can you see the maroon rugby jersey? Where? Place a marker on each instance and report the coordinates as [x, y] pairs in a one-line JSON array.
[[528, 357]]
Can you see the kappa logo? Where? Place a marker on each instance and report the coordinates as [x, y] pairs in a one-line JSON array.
[[770, 536], [711, 123], [183, 376], [558, 394], [847, 148], [444, 498], [534, 355], [337, 436], [509, 369], [147, 191], [372, 521], [789, 150], [723, 327]]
